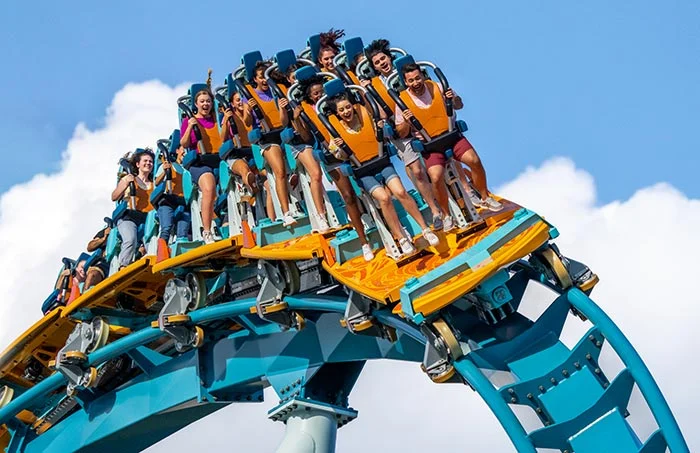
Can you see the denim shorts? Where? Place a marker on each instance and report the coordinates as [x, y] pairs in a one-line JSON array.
[[371, 183], [198, 171], [298, 149]]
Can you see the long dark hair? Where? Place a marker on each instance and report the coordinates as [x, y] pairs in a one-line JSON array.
[[329, 41], [136, 158]]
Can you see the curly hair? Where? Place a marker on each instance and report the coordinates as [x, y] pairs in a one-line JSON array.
[[333, 102], [305, 86], [136, 158]]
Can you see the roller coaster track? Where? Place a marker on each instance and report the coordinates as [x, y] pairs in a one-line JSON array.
[[162, 344]]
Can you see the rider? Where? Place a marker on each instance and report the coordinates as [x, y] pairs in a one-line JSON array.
[[312, 90], [128, 226], [303, 149], [379, 54], [354, 120], [328, 49], [421, 96], [241, 115], [170, 201], [203, 169], [272, 153]]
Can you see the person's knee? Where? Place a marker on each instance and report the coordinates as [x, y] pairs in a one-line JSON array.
[[400, 193], [381, 196]]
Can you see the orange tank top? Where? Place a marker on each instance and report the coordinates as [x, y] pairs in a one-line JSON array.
[[210, 138], [143, 197]]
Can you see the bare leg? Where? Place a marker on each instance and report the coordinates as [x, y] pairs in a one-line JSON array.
[[437, 177], [351, 205], [306, 158], [275, 159], [406, 201], [392, 219], [207, 185], [241, 168], [477, 170], [420, 178]]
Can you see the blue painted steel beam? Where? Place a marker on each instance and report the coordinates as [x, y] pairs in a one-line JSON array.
[[629, 356]]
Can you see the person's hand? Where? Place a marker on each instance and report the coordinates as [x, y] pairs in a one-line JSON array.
[[167, 166], [338, 142], [365, 82], [283, 103], [228, 113], [407, 114], [252, 103], [130, 178], [380, 123], [297, 112], [192, 122], [449, 94]]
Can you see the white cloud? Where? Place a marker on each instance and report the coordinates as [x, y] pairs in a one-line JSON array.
[[643, 248]]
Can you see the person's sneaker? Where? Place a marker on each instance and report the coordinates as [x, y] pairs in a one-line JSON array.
[[406, 246], [430, 237], [492, 204], [437, 222], [288, 219], [476, 201], [448, 223], [323, 224], [367, 252], [208, 237]]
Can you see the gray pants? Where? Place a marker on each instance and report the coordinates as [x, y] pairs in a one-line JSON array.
[[128, 230]]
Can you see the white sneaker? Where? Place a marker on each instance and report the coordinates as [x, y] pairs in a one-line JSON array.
[[406, 246], [208, 237], [288, 219], [367, 252], [492, 204], [448, 223], [323, 224], [476, 201], [430, 237]]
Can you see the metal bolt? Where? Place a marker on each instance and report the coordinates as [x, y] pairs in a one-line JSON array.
[[589, 357], [591, 337], [565, 372], [597, 371], [541, 388], [511, 391], [553, 381], [538, 410], [598, 344], [577, 365], [529, 396], [513, 400]]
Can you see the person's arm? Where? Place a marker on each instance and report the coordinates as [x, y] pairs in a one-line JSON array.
[[187, 125], [403, 127], [161, 173], [456, 100], [282, 107], [122, 185], [247, 116], [225, 131], [98, 240]]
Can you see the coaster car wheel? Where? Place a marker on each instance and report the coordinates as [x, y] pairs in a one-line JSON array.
[[198, 337], [299, 320], [292, 276], [100, 334], [6, 394], [450, 342], [555, 268], [198, 287]]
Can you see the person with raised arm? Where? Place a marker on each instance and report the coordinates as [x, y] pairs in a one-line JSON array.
[[128, 225]]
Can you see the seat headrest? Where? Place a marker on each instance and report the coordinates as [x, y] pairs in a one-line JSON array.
[[400, 62], [174, 142], [333, 87], [230, 86], [314, 43], [285, 59], [194, 89], [353, 47], [305, 73], [249, 60]]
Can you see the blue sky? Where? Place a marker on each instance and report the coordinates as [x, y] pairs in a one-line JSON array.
[[614, 85]]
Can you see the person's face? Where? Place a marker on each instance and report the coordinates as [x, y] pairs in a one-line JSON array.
[[315, 93], [414, 81], [326, 59], [203, 104], [260, 80], [236, 101], [292, 77], [145, 164], [382, 63], [344, 110]]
